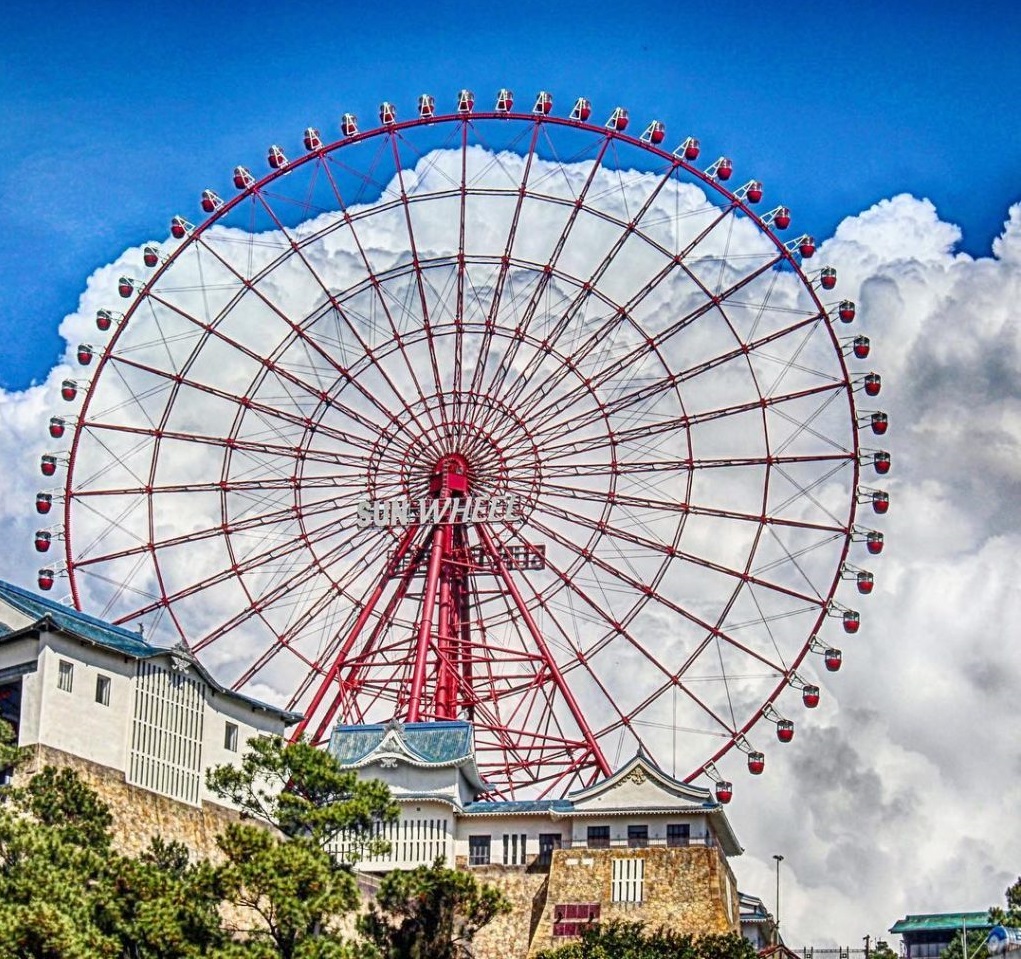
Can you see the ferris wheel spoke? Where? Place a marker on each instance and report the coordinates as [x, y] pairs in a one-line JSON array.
[[640, 589], [300, 333], [497, 383], [311, 390]]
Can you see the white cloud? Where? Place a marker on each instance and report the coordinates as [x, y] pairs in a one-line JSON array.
[[899, 793]]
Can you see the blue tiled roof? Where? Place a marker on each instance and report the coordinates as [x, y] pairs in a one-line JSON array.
[[79, 624], [520, 806], [117, 638], [433, 742]]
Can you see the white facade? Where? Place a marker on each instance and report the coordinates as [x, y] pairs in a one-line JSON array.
[[430, 769], [102, 694]]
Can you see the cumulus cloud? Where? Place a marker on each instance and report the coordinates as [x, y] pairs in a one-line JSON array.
[[899, 793]]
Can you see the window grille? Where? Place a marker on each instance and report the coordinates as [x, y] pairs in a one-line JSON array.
[[478, 850], [65, 676], [627, 880], [230, 737], [103, 690], [166, 736], [514, 849]]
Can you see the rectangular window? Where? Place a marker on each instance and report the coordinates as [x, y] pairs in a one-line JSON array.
[[627, 880], [548, 841], [478, 850], [572, 918], [598, 837], [638, 836], [678, 834], [230, 737], [103, 690], [514, 849], [65, 676]]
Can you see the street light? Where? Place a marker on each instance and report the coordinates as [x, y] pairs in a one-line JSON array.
[[779, 859]]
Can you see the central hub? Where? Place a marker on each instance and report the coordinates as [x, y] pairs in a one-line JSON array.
[[449, 477]]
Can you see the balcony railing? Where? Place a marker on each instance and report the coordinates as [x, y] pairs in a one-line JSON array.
[[622, 842]]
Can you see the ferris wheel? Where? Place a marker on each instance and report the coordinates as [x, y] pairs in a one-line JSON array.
[[497, 415]]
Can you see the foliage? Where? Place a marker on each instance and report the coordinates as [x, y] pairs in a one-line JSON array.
[[631, 940], [10, 754], [304, 792], [432, 912], [287, 893], [882, 950], [1011, 916]]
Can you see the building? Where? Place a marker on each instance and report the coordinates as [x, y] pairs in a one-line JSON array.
[[639, 845], [927, 936], [141, 723], [757, 923]]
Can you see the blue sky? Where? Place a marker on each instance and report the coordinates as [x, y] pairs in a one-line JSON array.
[[117, 115]]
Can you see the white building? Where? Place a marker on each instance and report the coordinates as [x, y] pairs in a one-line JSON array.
[[73, 685]]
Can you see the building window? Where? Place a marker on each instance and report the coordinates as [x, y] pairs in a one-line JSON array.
[[65, 676], [103, 690], [548, 841], [478, 850], [627, 880], [678, 834], [514, 849], [598, 837], [230, 737], [572, 918], [638, 836]]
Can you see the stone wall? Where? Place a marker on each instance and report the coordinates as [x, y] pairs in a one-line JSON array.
[[138, 814]]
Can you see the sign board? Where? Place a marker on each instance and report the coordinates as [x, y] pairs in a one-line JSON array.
[[381, 514]]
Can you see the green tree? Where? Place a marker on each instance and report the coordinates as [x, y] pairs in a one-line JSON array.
[[1011, 916], [432, 912], [11, 756], [631, 940], [287, 895], [304, 792]]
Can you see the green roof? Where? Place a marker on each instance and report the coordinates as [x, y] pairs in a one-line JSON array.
[[441, 741], [939, 921]]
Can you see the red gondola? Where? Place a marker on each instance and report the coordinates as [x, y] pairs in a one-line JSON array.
[[84, 354], [862, 346], [349, 124], [211, 201], [655, 133], [125, 286], [782, 220], [881, 462], [45, 579], [828, 277], [810, 696], [880, 423], [692, 148], [852, 621], [465, 101], [873, 384], [178, 227], [150, 256], [754, 192], [806, 247], [724, 168], [724, 792], [387, 112], [48, 464], [43, 502], [69, 390], [311, 139], [505, 101], [275, 157], [833, 659], [756, 763], [104, 320], [785, 730], [57, 425], [866, 581], [618, 120], [846, 311], [426, 106], [880, 501], [243, 178], [42, 541], [874, 542], [582, 109], [543, 103]]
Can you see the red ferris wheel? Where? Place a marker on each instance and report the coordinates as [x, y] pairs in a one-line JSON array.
[[490, 414]]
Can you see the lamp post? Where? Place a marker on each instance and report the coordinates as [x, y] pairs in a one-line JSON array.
[[779, 859]]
